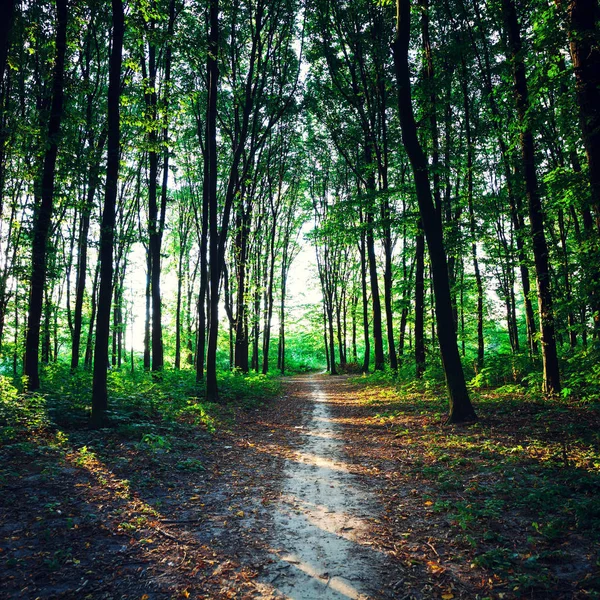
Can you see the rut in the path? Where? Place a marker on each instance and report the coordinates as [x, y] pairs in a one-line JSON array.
[[319, 538]]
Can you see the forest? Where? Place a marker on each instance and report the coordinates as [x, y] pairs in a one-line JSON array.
[[231, 230]]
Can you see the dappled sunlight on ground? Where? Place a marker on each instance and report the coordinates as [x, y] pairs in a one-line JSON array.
[[505, 507], [321, 522], [321, 462]]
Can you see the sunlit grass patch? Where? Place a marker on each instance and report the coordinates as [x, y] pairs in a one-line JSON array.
[[514, 488]]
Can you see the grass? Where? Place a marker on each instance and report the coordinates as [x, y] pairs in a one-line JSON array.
[[520, 489]]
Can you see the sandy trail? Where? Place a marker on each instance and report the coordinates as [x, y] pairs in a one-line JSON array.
[[319, 538]]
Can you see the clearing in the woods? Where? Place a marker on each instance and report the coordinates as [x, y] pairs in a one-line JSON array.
[[341, 488]]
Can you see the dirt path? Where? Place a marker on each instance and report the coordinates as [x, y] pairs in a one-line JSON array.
[[269, 507], [319, 536]]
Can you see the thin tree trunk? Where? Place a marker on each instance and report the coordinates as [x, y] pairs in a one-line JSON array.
[[43, 216], [202, 296], [241, 312], [148, 297], [210, 165], [365, 301], [178, 311], [281, 353], [99, 388], [584, 18], [377, 326], [153, 219], [82, 246], [354, 306], [536, 217], [472, 225], [46, 339], [269, 301], [420, 303], [89, 346]]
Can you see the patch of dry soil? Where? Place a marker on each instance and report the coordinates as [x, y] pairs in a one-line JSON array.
[[320, 526]]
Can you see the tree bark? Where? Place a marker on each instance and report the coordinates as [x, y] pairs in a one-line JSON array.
[[5, 29], [99, 389], [420, 303], [460, 405], [82, 246], [43, 216], [536, 217], [89, 345], [472, 225], [210, 165], [377, 325], [584, 31], [365, 298], [584, 16]]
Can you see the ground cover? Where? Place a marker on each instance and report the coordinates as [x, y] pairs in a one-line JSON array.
[[508, 507], [180, 498], [169, 502]]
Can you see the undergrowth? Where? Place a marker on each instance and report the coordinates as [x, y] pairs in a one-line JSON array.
[[520, 488], [138, 402]]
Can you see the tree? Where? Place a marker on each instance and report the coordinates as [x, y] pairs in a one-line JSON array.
[[536, 218], [460, 404], [99, 389], [45, 203]]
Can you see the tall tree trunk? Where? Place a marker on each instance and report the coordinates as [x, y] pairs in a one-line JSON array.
[[387, 292], [281, 351], [89, 345], [584, 19], [154, 233], [354, 306], [256, 316], [269, 301], [571, 325], [82, 246], [241, 312], [99, 389], [202, 296], [584, 24], [43, 216], [46, 337], [147, 317], [5, 28], [178, 310], [536, 216], [331, 343], [472, 225], [365, 299], [325, 338], [210, 165], [460, 404]]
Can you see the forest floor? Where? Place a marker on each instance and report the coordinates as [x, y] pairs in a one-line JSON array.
[[340, 488]]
